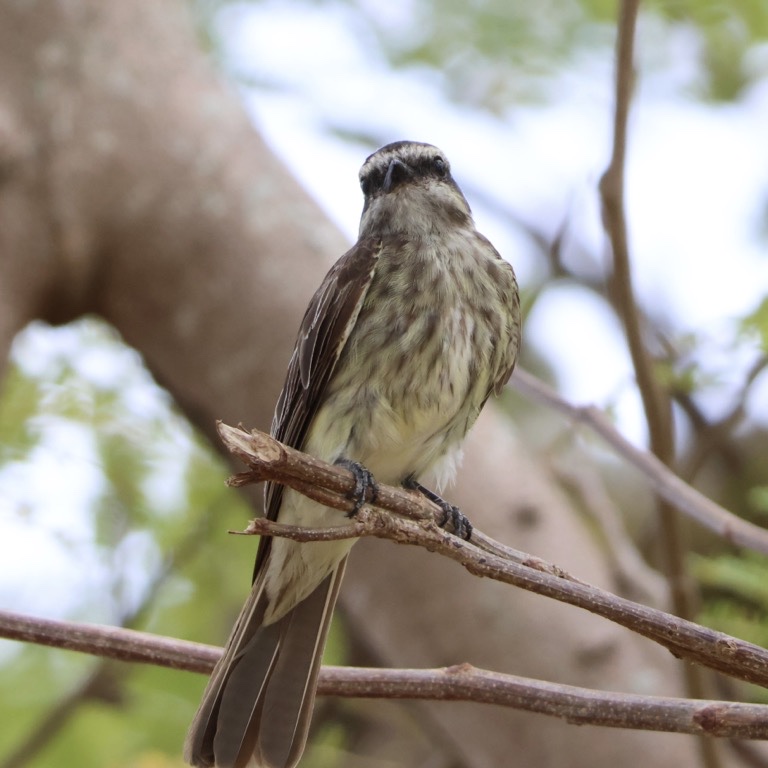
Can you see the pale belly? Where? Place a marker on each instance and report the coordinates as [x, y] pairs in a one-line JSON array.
[[360, 424]]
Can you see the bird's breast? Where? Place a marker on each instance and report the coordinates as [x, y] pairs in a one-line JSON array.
[[423, 355]]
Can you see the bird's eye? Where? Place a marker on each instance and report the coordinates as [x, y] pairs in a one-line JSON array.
[[440, 166], [371, 182]]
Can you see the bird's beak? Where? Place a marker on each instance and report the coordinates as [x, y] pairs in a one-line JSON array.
[[397, 172]]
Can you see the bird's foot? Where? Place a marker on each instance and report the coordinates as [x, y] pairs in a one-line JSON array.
[[366, 489], [454, 520]]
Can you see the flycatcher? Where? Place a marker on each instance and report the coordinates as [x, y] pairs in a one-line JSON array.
[[407, 337]]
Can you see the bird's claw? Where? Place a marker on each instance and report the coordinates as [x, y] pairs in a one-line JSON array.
[[366, 489], [454, 520]]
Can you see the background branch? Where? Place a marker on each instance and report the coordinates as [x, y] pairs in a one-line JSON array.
[[656, 401], [104, 684], [459, 683], [663, 480]]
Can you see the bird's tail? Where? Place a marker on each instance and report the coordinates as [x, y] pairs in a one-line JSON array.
[[256, 710]]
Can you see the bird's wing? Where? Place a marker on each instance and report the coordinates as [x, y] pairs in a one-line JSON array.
[[324, 331], [505, 283], [513, 346]]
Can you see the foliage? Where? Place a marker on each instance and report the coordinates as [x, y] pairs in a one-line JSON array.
[[735, 591], [757, 322], [160, 499], [492, 54], [728, 32]]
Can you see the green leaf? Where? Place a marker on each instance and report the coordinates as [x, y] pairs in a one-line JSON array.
[[757, 323]]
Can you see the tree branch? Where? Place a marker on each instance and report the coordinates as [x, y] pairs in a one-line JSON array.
[[663, 480], [458, 683], [270, 459], [633, 576], [656, 401], [410, 518], [110, 642]]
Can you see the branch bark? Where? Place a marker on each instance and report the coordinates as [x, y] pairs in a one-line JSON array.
[[271, 460], [656, 400], [462, 682]]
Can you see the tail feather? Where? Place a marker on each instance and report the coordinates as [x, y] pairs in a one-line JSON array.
[[259, 699], [290, 697], [199, 744], [241, 698]]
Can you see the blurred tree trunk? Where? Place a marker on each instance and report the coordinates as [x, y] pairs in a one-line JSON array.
[[133, 186]]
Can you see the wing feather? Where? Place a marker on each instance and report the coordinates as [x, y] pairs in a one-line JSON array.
[[327, 324]]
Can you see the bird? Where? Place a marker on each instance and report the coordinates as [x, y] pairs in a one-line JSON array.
[[406, 338]]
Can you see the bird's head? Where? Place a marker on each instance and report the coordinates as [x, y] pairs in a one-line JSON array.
[[409, 189]]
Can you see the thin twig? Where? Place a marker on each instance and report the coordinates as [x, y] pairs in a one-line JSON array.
[[711, 436], [683, 638], [632, 574], [110, 642], [612, 186], [459, 683], [663, 480], [656, 401]]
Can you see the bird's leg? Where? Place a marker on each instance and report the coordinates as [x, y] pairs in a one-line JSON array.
[[366, 488], [454, 520]]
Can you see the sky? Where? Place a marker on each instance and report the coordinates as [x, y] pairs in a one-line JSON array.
[[697, 183]]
